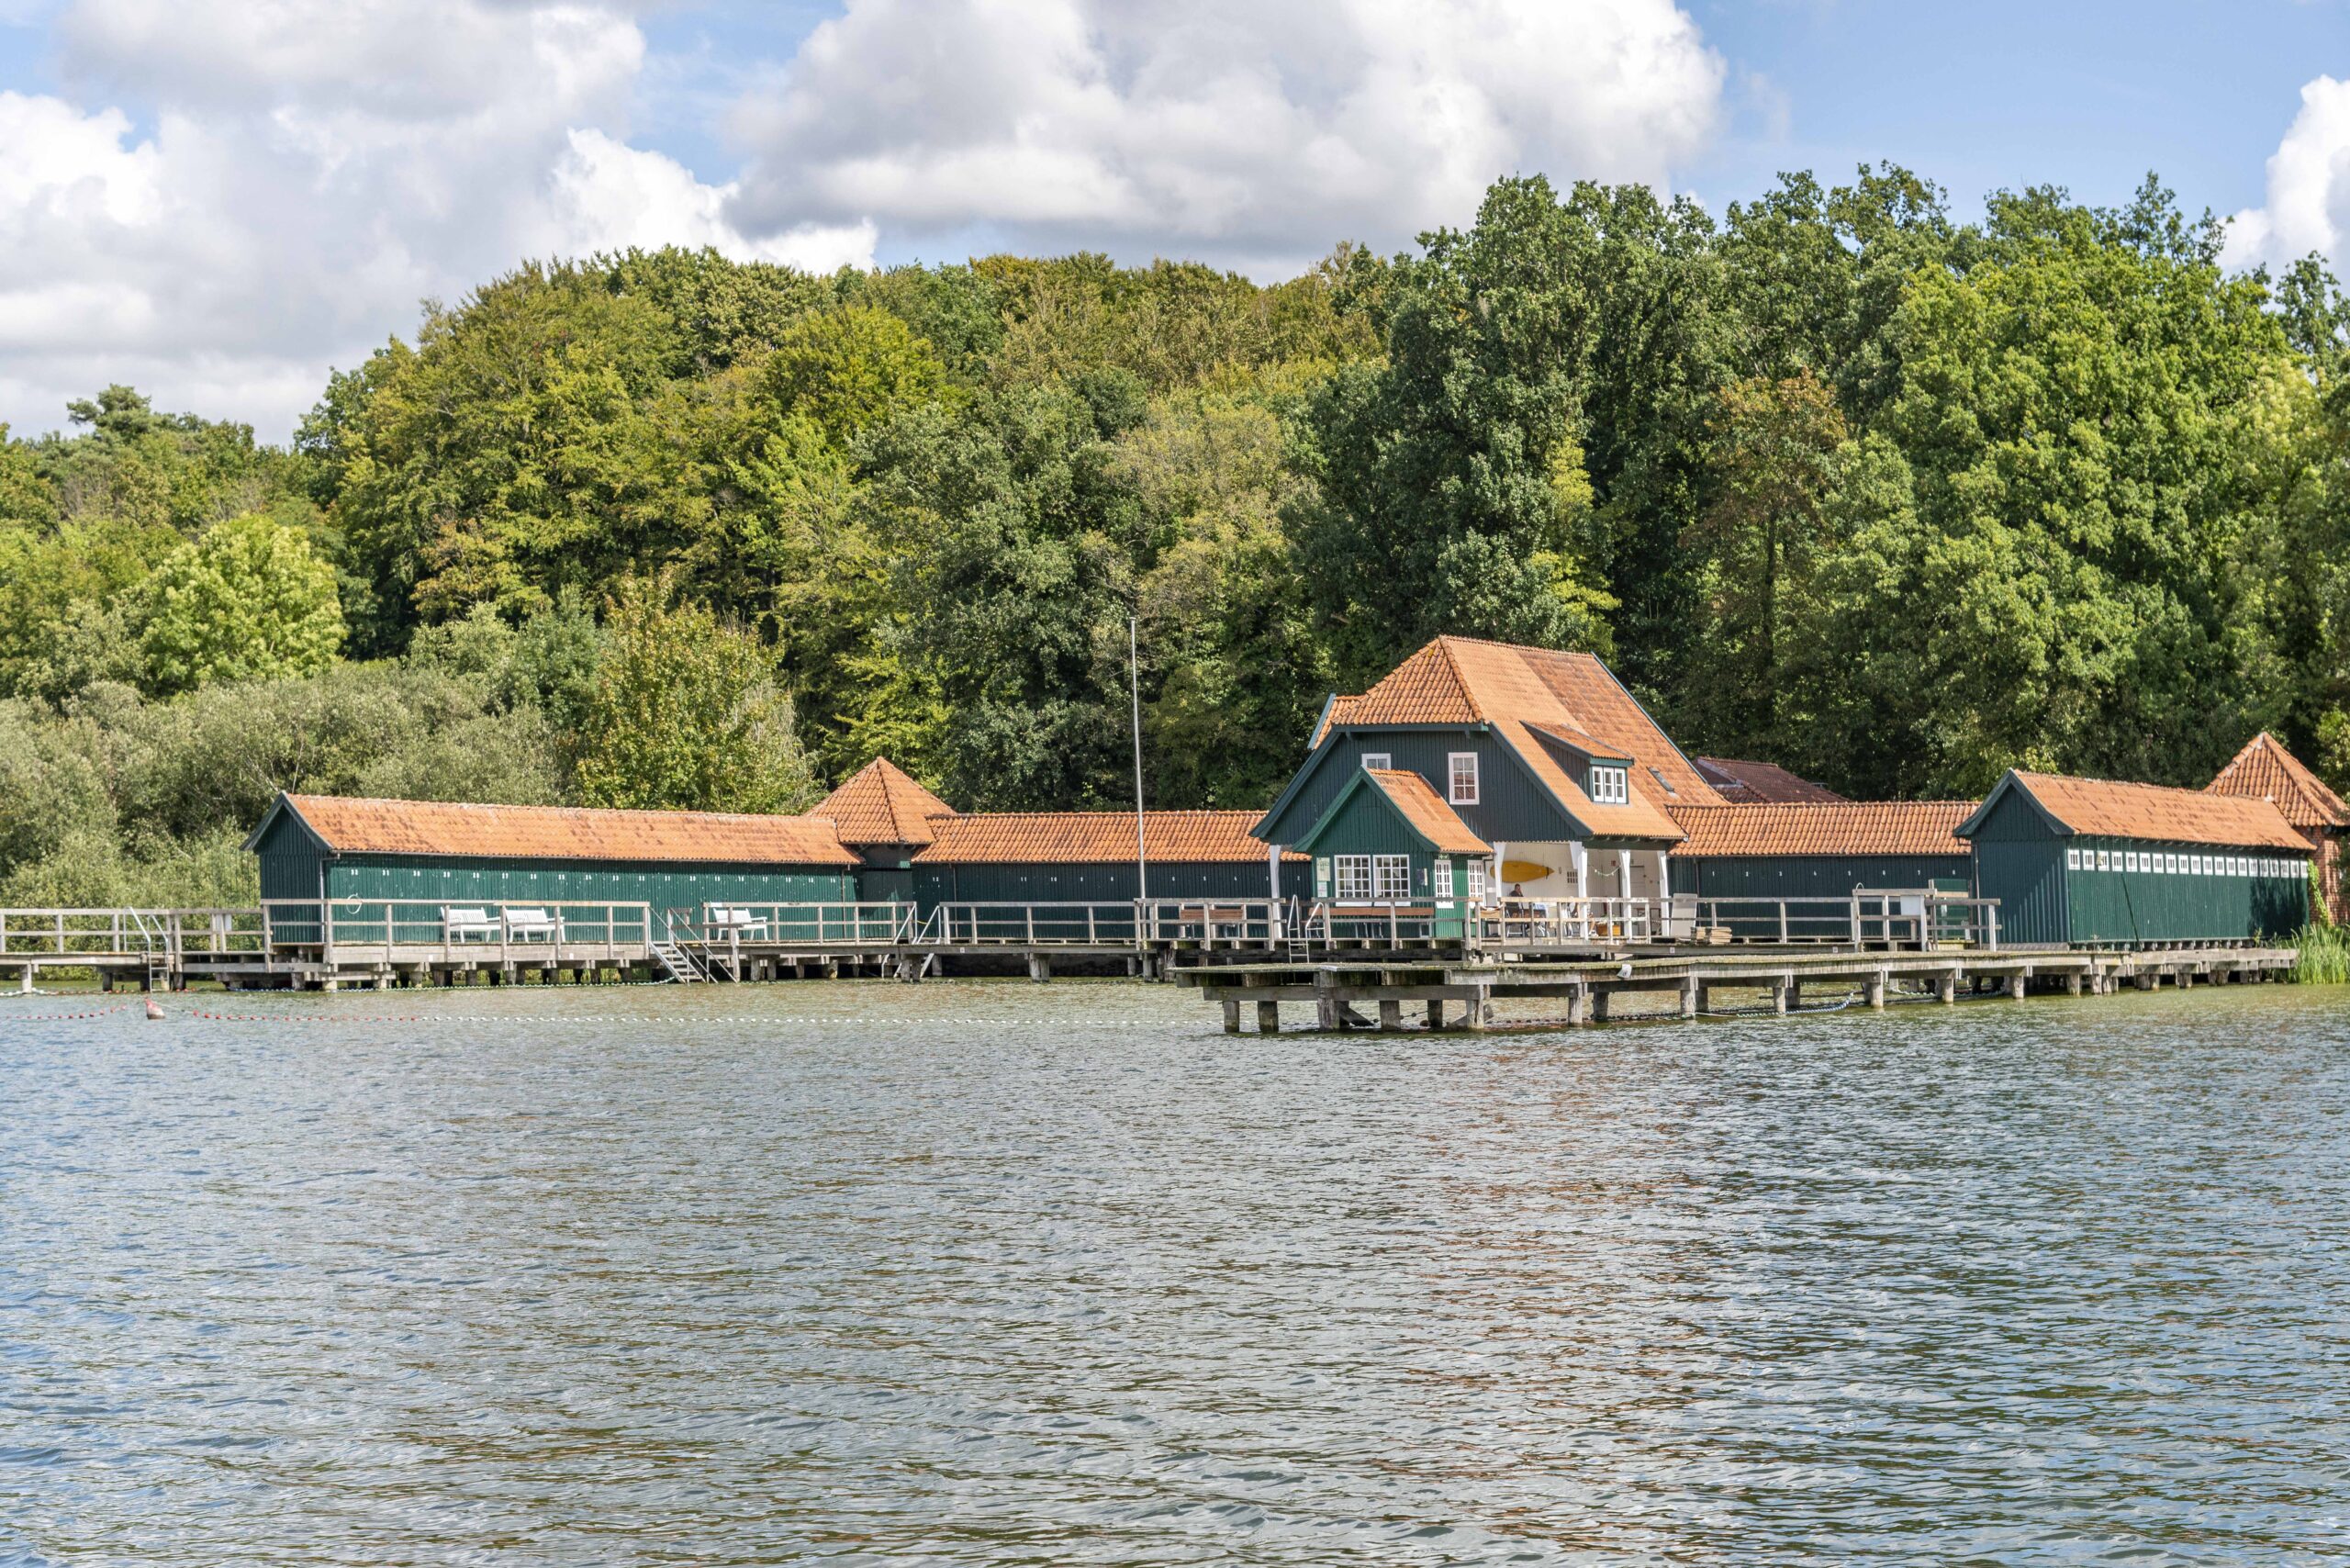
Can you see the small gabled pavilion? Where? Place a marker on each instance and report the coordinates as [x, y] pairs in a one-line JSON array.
[[1388, 839], [882, 813], [2265, 770]]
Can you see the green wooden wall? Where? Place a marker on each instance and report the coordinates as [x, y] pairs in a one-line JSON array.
[[2047, 899]]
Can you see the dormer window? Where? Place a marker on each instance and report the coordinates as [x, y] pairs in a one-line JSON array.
[[1377, 761], [1610, 785]]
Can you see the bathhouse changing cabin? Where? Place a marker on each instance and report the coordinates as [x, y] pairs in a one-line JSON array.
[[2264, 770], [1541, 755], [880, 812], [2090, 862], [366, 855], [1817, 849]]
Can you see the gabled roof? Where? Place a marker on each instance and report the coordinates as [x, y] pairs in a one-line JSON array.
[[1823, 827], [1034, 838], [1422, 811], [2264, 769], [1514, 688], [347, 825], [2114, 809], [881, 803], [1746, 783]]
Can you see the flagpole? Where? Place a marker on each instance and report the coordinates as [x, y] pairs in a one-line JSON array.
[[1134, 674]]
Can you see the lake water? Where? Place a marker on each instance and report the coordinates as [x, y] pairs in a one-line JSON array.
[[1006, 1273]]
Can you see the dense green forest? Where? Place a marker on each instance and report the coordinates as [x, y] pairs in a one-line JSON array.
[[1833, 480]]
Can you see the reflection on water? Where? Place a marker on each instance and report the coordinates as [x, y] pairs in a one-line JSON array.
[[1003, 1272]]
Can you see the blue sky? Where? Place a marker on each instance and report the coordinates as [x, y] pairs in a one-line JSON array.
[[220, 200]]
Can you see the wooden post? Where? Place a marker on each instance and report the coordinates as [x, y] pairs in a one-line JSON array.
[[1040, 968], [1946, 988], [1269, 1016], [2073, 984], [1390, 1015], [1479, 1009], [1782, 991], [1873, 989], [1692, 997], [2016, 986], [1602, 1004], [1436, 1013], [1232, 1015], [1579, 1006]]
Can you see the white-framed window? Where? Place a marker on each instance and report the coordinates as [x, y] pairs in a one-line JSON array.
[[1610, 786], [1377, 761], [2131, 858], [1322, 875], [2072, 859], [2170, 864], [1354, 876], [2105, 860], [1460, 770], [1391, 878], [2202, 865], [1441, 878], [1476, 882]]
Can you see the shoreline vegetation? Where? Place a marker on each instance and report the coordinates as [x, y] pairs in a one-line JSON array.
[[1831, 478]]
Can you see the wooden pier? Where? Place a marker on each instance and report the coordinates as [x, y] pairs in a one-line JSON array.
[[1358, 967], [1458, 991]]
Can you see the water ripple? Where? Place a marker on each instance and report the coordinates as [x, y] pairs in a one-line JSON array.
[[970, 1272]]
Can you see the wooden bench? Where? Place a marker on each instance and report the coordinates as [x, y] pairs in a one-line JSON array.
[[527, 923], [733, 920], [459, 924]]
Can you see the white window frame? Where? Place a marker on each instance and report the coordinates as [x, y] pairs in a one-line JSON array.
[[2130, 857], [1610, 785], [1476, 880], [1378, 761], [2073, 858], [1453, 795], [1351, 876], [1390, 879], [2105, 859]]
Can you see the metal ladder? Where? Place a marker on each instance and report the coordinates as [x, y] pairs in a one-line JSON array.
[[158, 948]]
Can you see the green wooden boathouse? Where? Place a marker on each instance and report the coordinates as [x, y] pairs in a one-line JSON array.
[[408, 861], [2088, 862]]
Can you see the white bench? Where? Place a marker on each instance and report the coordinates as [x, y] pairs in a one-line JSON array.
[[733, 920], [526, 923], [468, 924]]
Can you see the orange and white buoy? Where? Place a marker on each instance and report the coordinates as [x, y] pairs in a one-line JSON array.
[[153, 1011]]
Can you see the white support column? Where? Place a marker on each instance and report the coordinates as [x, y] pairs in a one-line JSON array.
[[1580, 854], [1273, 882]]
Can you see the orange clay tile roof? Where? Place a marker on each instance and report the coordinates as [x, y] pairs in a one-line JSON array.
[[2157, 812], [1823, 827], [566, 832], [1033, 838], [1429, 817], [1464, 680], [2265, 770], [881, 803], [1747, 783]]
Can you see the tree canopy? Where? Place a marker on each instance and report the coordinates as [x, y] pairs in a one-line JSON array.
[[1832, 477]]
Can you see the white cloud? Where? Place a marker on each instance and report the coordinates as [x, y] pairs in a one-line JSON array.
[[2308, 188], [1251, 132], [301, 173]]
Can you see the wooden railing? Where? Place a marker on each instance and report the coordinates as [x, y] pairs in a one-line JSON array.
[[583, 927], [1887, 917], [119, 932]]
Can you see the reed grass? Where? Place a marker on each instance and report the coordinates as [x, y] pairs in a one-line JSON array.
[[2322, 955]]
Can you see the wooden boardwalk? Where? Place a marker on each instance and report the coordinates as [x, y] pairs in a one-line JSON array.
[[1459, 991]]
